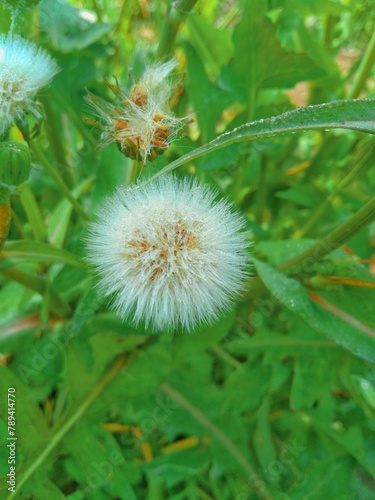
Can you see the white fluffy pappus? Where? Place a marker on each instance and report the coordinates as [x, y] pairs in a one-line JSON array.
[[141, 124], [24, 69], [170, 255]]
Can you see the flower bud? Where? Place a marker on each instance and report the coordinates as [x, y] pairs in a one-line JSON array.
[[15, 163], [141, 123], [138, 94]]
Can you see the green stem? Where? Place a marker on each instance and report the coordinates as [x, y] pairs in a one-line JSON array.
[[97, 10], [250, 113], [221, 353], [333, 240], [54, 139], [361, 159], [364, 69], [124, 6], [135, 171], [18, 225], [230, 16], [220, 436], [64, 429], [300, 263], [261, 193], [58, 179], [177, 12]]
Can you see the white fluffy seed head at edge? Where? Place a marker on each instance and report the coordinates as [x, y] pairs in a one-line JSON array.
[[24, 69]]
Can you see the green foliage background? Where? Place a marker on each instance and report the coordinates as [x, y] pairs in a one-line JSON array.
[[275, 401]]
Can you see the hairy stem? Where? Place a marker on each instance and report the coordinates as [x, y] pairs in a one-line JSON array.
[[177, 11]]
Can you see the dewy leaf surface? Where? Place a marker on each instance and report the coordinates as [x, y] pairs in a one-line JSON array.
[[355, 114], [294, 297]]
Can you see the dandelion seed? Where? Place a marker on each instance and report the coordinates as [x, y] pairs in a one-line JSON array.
[[168, 253], [24, 69], [142, 124]]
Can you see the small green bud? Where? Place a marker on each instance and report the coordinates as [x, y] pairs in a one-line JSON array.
[[15, 163]]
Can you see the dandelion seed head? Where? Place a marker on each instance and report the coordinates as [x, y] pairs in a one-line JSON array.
[[24, 69], [142, 124], [169, 254]]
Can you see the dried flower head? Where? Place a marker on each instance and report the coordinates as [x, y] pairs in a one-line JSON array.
[[171, 256], [24, 69], [141, 124]]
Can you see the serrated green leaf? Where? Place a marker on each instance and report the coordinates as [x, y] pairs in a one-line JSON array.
[[66, 29], [264, 447], [259, 60], [86, 308], [205, 336], [295, 298], [99, 463], [208, 99], [312, 373], [245, 388]]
